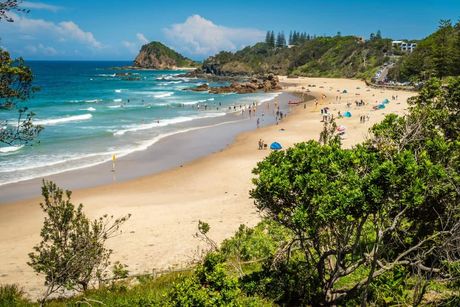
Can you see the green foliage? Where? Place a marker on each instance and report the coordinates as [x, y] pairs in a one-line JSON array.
[[120, 270], [256, 243], [161, 51], [210, 285], [16, 86], [438, 55], [391, 288], [392, 201], [339, 56], [11, 295], [72, 251]]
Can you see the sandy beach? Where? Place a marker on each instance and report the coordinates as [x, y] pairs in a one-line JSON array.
[[166, 206]]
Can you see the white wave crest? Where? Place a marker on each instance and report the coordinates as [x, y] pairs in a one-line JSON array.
[[91, 109], [164, 122], [163, 95], [193, 102], [60, 120], [8, 149]]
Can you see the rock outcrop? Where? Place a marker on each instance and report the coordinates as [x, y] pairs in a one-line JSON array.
[[265, 83], [155, 55]]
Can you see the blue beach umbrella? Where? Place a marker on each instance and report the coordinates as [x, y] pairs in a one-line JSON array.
[[385, 101], [275, 146], [347, 114], [381, 106]]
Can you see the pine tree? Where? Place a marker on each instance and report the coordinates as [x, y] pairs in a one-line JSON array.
[[291, 41], [267, 37], [272, 39], [442, 55], [278, 40], [378, 35]]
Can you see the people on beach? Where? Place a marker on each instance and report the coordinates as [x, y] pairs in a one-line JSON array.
[[261, 144]]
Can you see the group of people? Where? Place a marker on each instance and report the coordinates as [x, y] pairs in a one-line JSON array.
[[363, 119]]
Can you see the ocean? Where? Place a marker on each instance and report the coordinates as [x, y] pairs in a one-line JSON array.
[[91, 112]]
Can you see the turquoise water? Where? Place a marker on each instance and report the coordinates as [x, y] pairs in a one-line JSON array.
[[90, 112]]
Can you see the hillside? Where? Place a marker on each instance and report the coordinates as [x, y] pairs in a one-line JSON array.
[[155, 55], [338, 56], [438, 55]]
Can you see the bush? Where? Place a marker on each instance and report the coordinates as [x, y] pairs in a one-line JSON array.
[[11, 295]]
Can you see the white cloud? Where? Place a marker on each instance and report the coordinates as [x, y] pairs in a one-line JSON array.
[[73, 30], [42, 29], [200, 36], [40, 49], [133, 47], [141, 37], [40, 6]]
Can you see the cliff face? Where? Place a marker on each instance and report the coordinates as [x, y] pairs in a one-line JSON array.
[[155, 55]]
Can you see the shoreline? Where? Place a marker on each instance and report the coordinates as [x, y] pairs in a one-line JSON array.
[[166, 206], [194, 140]]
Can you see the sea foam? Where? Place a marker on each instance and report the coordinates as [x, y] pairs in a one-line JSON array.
[[164, 122], [163, 95], [9, 149], [61, 120]]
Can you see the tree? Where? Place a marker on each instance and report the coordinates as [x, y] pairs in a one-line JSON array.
[[15, 85], [280, 40], [270, 39], [267, 37], [72, 252], [10, 5], [390, 202], [442, 52]]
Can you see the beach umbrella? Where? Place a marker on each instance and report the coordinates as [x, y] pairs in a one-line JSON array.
[[385, 101], [275, 146], [347, 114], [345, 91], [381, 106]]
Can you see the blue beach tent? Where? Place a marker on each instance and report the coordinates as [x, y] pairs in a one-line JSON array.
[[385, 101], [275, 146], [347, 114], [381, 106]]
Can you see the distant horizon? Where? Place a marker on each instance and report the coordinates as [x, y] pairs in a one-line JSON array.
[[64, 30]]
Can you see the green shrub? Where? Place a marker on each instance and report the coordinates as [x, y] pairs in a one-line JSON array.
[[11, 295]]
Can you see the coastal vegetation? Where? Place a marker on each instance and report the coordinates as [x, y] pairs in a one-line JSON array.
[[337, 56], [374, 224], [72, 253], [15, 87], [438, 55], [155, 55]]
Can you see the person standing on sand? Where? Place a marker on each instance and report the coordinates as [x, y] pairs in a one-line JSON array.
[[260, 144]]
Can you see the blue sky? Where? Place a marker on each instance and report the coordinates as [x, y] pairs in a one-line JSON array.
[[115, 30]]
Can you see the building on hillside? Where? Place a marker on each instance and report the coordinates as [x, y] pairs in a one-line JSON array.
[[404, 46]]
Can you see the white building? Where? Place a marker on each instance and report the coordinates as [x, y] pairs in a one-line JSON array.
[[404, 46]]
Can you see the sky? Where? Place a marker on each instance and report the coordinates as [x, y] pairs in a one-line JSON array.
[[116, 29]]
